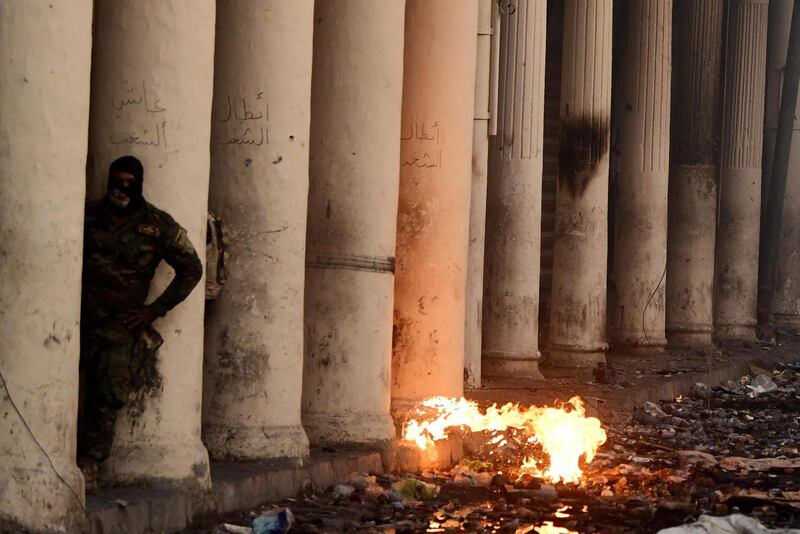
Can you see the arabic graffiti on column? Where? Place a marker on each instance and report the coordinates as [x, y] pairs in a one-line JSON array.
[[421, 145], [241, 121], [141, 105]]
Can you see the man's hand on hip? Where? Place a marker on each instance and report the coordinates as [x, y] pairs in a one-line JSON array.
[[139, 318]]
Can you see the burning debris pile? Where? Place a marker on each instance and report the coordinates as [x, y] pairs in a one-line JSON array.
[[550, 440], [726, 456]]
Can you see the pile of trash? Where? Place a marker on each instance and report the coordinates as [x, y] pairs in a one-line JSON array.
[[723, 450], [722, 459]]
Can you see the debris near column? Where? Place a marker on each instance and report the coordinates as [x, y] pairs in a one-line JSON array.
[[725, 456]]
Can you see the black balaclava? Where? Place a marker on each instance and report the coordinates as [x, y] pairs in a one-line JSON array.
[[133, 192]]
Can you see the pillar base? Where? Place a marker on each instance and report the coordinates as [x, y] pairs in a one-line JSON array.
[[402, 409], [511, 365], [788, 321], [687, 338], [406, 457], [354, 428], [735, 332], [256, 443], [405, 408], [32, 498], [639, 342], [642, 350], [171, 463], [576, 357]]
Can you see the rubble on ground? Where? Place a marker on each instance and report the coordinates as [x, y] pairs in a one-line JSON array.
[[726, 455]]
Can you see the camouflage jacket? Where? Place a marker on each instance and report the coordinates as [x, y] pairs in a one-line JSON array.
[[119, 261]]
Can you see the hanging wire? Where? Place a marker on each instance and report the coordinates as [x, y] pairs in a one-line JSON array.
[[39, 445], [653, 294]]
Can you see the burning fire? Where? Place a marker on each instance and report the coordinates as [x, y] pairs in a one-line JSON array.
[[564, 433]]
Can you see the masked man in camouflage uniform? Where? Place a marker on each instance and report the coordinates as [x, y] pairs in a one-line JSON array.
[[125, 238]]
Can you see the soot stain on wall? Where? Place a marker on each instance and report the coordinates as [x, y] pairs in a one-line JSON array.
[[582, 144]]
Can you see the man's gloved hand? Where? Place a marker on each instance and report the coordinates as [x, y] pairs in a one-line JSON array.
[[139, 318]]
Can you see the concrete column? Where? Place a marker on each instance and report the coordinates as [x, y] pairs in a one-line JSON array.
[[694, 172], [433, 213], [477, 207], [514, 199], [259, 186], [355, 168], [44, 97], [786, 303], [577, 334], [640, 228], [152, 78], [736, 270], [779, 23]]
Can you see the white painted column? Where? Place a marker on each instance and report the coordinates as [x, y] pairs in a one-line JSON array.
[[152, 77], [355, 169], [44, 98], [477, 207], [786, 302], [640, 228], [514, 199], [736, 272], [433, 218], [259, 186], [577, 333], [694, 171]]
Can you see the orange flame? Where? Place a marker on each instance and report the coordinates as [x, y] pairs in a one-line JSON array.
[[564, 433]]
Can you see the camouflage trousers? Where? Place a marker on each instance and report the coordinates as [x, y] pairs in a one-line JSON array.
[[112, 361]]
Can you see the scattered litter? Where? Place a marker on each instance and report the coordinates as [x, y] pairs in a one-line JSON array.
[[236, 529], [762, 384], [413, 489], [478, 466], [652, 409], [780, 498], [732, 524], [721, 454], [699, 457], [277, 521], [699, 391], [343, 490], [758, 464], [360, 481]]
